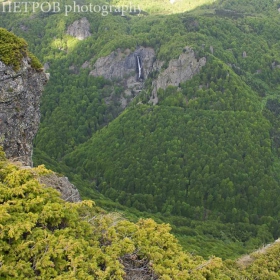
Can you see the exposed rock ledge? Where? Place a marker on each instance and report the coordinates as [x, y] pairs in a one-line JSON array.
[[120, 65], [179, 70], [51, 180], [20, 94], [68, 191]]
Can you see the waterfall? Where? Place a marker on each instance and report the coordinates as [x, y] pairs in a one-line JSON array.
[[139, 67]]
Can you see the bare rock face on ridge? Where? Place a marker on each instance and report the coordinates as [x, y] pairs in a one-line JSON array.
[[79, 29], [68, 191], [120, 65], [124, 67], [179, 70], [20, 94]]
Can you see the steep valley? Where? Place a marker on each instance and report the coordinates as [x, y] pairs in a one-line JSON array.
[[171, 116]]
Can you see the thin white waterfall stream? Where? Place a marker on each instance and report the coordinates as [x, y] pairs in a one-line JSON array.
[[139, 67]]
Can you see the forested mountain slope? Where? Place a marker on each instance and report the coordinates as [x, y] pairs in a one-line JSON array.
[[208, 151]]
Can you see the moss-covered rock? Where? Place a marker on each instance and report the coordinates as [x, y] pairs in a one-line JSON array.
[[13, 49]]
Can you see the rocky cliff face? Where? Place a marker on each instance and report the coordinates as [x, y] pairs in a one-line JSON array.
[[20, 94], [178, 71], [120, 65], [124, 67], [79, 29]]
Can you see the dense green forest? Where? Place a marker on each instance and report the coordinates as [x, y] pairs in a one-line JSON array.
[[206, 158]]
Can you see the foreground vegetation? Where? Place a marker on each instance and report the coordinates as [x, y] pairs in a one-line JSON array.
[[44, 237]]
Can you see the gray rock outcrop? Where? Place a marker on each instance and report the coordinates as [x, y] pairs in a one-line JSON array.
[[120, 65], [46, 66], [68, 191], [123, 67], [178, 71], [20, 94], [79, 29]]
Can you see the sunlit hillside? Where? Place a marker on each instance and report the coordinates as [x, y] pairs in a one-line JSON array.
[[164, 6]]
